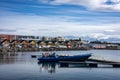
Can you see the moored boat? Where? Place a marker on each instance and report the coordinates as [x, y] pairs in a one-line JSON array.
[[56, 58]]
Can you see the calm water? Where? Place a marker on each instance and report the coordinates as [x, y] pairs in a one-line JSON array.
[[23, 67]]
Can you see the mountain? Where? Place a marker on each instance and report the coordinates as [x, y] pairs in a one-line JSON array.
[[114, 40]]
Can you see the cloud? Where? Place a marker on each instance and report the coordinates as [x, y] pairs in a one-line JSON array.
[[50, 25], [54, 26], [99, 36], [7, 30], [51, 20], [98, 5], [109, 30]]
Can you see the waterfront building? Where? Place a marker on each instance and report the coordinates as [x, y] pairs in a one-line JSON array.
[[24, 43], [98, 46], [5, 43], [25, 37], [112, 46], [7, 37], [32, 43], [60, 39]]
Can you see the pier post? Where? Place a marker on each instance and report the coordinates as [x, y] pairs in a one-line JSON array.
[[64, 65], [116, 65], [93, 65]]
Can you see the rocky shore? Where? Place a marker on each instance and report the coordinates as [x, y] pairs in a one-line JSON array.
[[4, 51]]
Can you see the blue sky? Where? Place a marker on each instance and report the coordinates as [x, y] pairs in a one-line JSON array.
[[98, 19]]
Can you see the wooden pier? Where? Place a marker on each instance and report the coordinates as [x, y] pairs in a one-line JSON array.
[[104, 62], [93, 63]]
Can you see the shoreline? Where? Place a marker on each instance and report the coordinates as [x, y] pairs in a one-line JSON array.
[[13, 53], [6, 50]]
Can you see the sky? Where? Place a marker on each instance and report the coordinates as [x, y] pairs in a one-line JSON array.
[[98, 19]]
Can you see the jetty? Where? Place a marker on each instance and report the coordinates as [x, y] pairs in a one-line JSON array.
[[89, 63], [92, 63]]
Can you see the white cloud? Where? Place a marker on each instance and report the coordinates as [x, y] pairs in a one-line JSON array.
[[99, 36], [99, 5], [53, 26], [109, 30]]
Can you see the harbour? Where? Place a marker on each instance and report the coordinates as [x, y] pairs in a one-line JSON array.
[[59, 40]]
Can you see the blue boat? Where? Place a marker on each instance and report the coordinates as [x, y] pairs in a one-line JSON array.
[[56, 58]]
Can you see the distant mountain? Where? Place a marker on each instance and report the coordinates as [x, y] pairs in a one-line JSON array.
[[93, 39], [112, 40], [71, 37]]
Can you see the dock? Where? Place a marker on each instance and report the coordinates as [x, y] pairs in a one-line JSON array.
[[92, 63]]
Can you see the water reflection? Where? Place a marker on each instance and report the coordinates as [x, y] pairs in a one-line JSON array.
[[8, 59], [51, 67], [12, 58]]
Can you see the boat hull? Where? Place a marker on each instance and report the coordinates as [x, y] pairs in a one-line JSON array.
[[65, 58]]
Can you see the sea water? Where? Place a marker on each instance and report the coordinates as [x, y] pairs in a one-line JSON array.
[[23, 67]]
